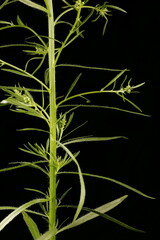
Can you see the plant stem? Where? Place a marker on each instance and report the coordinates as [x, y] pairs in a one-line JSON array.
[[52, 113]]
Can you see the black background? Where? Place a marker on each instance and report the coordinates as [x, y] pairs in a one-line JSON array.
[[131, 41]]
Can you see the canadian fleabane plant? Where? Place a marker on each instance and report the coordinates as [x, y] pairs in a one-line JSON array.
[[56, 110]]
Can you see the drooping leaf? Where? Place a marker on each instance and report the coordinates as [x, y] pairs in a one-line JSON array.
[[94, 213], [18, 211], [112, 180], [105, 107], [82, 184], [107, 217], [21, 73], [27, 210], [129, 101], [32, 226]]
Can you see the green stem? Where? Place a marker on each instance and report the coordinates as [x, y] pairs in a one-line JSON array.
[[52, 113], [72, 30]]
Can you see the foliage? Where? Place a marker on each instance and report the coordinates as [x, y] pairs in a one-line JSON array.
[[55, 155]]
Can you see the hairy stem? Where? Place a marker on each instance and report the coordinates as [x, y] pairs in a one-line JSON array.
[[52, 99]]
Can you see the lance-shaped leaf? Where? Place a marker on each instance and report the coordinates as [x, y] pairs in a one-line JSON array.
[[82, 184], [107, 217], [33, 5], [91, 139], [4, 4], [114, 79], [73, 85], [32, 226], [16, 70], [112, 180], [105, 107], [94, 213], [19, 210]]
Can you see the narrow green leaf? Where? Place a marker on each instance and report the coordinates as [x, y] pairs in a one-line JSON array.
[[15, 72], [33, 5], [32, 129], [5, 22], [74, 129], [74, 38], [82, 184], [122, 224], [91, 139], [94, 213], [20, 71], [73, 85], [112, 180], [13, 168], [106, 216], [19, 21], [32, 226], [117, 8], [19, 210], [29, 211], [4, 88], [114, 79], [105, 107], [88, 67], [64, 194], [129, 101], [35, 190], [3, 4]]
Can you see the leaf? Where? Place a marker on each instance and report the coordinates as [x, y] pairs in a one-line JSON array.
[[3, 4], [64, 194], [13, 168], [106, 216], [105, 107], [22, 72], [19, 210], [15, 72], [48, 235], [130, 102], [122, 224], [32, 129], [19, 21], [4, 88], [32, 226], [112, 180], [117, 8], [94, 213], [91, 139], [114, 79], [73, 85], [82, 184], [29, 211], [33, 5], [87, 67]]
